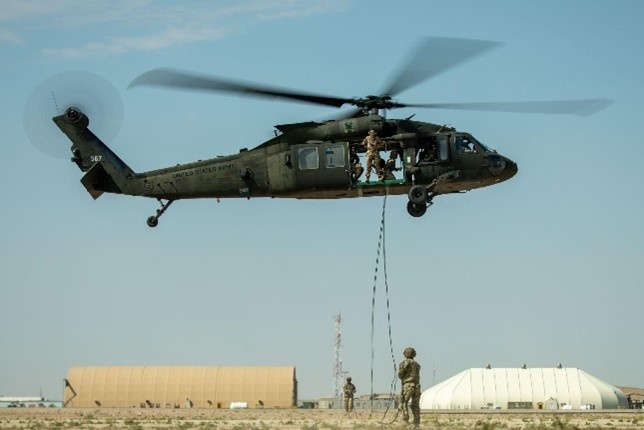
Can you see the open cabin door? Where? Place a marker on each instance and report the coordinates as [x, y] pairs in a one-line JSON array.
[[320, 165]]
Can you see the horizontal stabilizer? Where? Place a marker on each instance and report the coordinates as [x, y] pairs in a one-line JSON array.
[[97, 181]]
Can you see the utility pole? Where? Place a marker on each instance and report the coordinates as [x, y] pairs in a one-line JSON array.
[[338, 374], [434, 374]]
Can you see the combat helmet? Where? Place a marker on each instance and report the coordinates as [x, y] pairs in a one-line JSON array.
[[409, 352]]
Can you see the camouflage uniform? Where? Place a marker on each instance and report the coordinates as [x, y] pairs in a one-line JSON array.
[[390, 166], [349, 391], [371, 142], [409, 374], [356, 167]]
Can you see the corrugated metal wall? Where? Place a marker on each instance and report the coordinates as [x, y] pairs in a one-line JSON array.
[[180, 386]]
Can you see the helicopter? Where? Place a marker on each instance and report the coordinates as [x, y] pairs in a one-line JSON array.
[[318, 159]]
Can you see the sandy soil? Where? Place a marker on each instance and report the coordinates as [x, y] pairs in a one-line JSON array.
[[262, 419]]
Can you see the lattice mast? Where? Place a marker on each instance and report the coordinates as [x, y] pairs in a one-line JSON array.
[[338, 374]]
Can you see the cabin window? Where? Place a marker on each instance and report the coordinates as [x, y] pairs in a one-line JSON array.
[[308, 158], [334, 156]]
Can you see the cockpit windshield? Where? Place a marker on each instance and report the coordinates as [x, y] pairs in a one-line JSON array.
[[466, 144]]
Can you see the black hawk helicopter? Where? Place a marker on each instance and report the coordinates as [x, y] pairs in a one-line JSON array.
[[313, 160]]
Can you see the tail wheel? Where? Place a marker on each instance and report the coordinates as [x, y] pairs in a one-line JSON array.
[[416, 209], [153, 221], [418, 195]]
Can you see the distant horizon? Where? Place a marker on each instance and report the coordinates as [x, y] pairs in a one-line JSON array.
[[34, 398]]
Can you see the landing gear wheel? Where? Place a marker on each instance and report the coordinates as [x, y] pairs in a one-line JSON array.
[[418, 195], [416, 209], [153, 221]]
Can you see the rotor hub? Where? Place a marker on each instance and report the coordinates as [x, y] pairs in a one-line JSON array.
[[73, 114], [372, 102]]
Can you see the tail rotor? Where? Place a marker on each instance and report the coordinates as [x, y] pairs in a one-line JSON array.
[[77, 91]]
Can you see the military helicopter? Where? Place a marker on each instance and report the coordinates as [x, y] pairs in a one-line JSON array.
[[313, 160]]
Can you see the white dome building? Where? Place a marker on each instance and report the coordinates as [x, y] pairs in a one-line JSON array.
[[523, 388]]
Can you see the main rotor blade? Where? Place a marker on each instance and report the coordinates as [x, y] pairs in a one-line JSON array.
[[433, 56], [178, 79], [557, 107]]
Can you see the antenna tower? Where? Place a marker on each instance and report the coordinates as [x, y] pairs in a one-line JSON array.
[[338, 374]]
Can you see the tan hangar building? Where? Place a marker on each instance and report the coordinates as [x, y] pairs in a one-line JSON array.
[[180, 387]]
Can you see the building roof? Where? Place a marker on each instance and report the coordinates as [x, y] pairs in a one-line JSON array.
[[20, 399], [518, 387], [635, 393]]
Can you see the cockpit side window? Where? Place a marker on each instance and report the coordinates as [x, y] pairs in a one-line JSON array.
[[466, 145], [443, 153]]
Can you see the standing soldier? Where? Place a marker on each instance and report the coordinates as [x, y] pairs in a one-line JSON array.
[[409, 374], [371, 142], [349, 391]]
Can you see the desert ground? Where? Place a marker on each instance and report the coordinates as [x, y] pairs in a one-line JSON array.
[[309, 419]]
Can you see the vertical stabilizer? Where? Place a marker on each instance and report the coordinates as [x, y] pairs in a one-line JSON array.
[[106, 172]]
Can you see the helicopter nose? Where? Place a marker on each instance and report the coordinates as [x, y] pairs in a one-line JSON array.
[[511, 168], [502, 168]]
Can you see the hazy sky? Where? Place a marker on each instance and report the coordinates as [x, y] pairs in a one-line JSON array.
[[546, 268]]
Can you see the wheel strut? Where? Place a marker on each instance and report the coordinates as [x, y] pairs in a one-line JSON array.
[[421, 197], [153, 221]]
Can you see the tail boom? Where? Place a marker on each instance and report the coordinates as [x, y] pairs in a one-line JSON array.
[[105, 171]]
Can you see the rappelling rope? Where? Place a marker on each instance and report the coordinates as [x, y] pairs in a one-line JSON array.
[[381, 246]]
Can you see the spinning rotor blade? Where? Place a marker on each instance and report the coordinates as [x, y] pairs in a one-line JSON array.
[[85, 91], [174, 78], [433, 56], [557, 107]]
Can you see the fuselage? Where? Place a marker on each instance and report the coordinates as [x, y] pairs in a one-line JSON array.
[[305, 161], [312, 161]]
